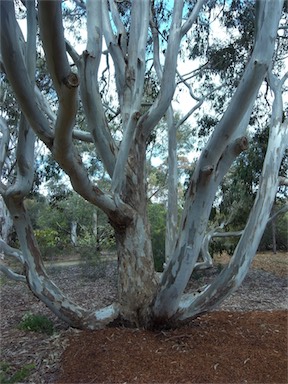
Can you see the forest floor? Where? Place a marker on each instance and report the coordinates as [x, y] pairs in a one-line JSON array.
[[243, 341]]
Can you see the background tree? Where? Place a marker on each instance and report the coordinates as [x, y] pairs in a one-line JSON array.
[[238, 191], [137, 34]]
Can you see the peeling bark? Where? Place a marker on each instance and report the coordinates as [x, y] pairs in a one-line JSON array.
[[137, 280]]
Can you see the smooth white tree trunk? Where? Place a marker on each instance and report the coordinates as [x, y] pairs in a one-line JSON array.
[[74, 237], [232, 276], [172, 208], [214, 162], [5, 222]]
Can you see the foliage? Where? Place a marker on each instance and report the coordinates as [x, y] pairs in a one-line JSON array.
[[52, 218], [7, 376], [48, 240], [36, 323], [223, 245]]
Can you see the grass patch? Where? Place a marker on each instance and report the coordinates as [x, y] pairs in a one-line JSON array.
[[36, 323], [3, 281], [8, 377]]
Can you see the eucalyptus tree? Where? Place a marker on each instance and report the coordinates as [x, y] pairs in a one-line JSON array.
[[131, 36], [243, 179], [236, 196]]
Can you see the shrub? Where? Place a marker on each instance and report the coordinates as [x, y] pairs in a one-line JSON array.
[[48, 240]]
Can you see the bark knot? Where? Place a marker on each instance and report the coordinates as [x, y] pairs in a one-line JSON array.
[[208, 169], [241, 144], [136, 115], [71, 81]]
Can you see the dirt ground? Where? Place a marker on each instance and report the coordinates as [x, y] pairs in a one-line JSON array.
[[244, 341]]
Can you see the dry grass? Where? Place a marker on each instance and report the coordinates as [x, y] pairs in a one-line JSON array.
[[274, 263], [266, 261]]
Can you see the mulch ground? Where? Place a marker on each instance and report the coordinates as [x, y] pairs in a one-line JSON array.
[[244, 341], [220, 347]]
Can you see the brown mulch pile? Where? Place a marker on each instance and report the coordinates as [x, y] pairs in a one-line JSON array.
[[222, 347], [245, 341]]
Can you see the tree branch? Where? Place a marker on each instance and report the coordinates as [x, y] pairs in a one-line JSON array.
[[133, 90], [172, 206], [208, 261], [192, 228], [26, 137], [246, 93], [232, 276], [72, 53], [4, 145], [192, 17], [16, 71], [66, 84], [11, 252], [121, 32], [113, 48], [44, 105], [167, 88], [25, 160], [39, 282], [50, 13], [82, 136], [94, 32], [196, 106], [279, 212], [89, 88], [31, 40], [11, 274]]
